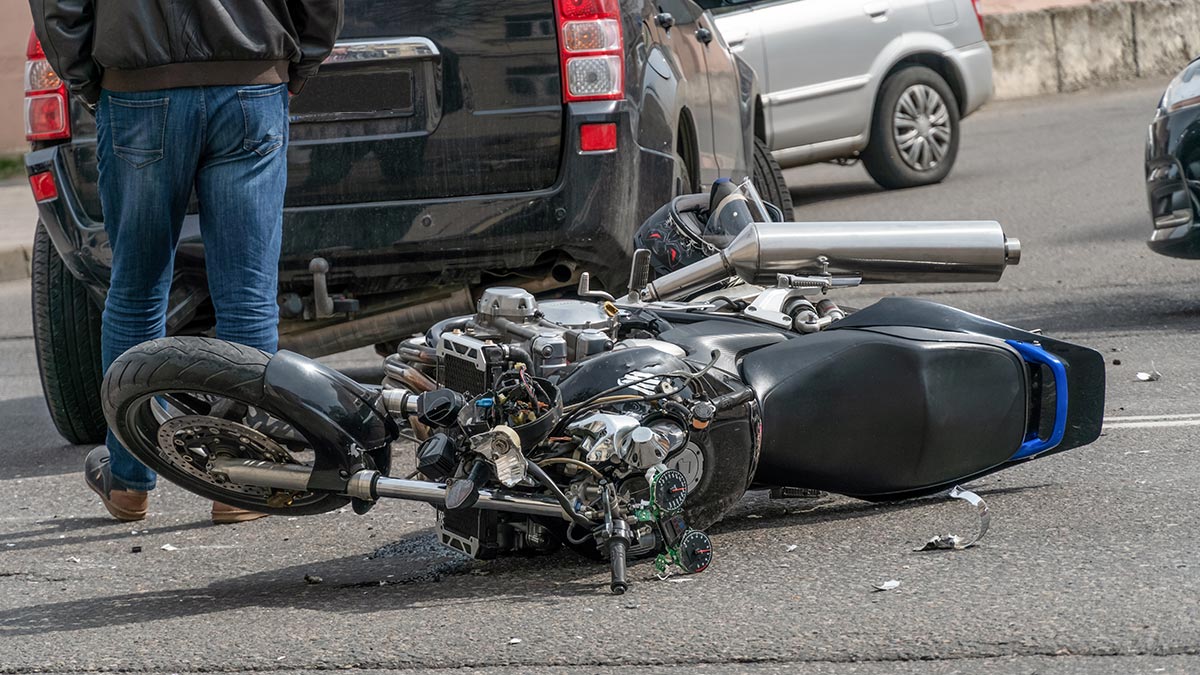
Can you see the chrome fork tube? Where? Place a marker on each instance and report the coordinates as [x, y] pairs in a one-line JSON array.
[[371, 485]]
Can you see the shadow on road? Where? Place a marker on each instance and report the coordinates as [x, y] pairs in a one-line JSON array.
[[827, 192], [770, 514], [74, 531], [412, 570], [440, 578], [30, 445]]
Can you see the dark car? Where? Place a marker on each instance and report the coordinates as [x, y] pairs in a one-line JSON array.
[[1173, 167], [445, 146]]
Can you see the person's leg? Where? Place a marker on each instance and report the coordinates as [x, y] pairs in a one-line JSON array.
[[148, 148], [240, 185]]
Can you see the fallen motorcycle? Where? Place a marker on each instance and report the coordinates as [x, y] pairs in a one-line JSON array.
[[622, 427]]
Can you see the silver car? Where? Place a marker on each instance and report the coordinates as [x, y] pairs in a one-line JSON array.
[[886, 81]]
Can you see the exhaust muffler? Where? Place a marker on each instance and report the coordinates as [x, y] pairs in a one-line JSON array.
[[877, 252]]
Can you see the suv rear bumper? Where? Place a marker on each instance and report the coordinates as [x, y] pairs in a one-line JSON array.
[[589, 215]]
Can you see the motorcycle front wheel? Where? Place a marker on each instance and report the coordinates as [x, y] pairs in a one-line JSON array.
[[178, 403]]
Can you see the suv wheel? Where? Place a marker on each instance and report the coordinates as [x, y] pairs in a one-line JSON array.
[[66, 333], [768, 180], [914, 131]]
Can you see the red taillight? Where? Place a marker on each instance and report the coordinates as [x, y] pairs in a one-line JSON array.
[[597, 137], [43, 186], [979, 17], [47, 115], [33, 48], [591, 50]]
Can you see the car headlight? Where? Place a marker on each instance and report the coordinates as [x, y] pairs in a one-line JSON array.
[[1184, 90]]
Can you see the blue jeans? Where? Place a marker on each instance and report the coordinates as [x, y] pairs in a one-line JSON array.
[[229, 145]]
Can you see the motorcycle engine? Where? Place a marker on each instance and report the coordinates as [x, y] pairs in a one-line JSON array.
[[605, 456]]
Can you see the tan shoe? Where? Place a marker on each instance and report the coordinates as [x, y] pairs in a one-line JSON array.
[[125, 505], [224, 514]]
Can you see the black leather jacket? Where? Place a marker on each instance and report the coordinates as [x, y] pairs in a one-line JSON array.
[[132, 45]]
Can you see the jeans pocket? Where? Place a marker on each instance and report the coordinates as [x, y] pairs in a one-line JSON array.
[[139, 129], [265, 110]]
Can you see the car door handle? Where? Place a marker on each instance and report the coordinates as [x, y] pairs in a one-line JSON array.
[[876, 10]]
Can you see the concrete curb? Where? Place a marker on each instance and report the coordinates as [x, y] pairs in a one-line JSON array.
[[15, 262], [1069, 48]]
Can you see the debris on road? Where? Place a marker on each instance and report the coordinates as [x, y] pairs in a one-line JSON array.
[[73, 559], [680, 580], [953, 542], [312, 579], [889, 585], [169, 547], [515, 641], [791, 547], [1152, 376], [944, 542], [136, 549]]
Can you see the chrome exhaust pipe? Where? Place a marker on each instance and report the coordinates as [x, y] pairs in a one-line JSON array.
[[371, 485], [878, 252]]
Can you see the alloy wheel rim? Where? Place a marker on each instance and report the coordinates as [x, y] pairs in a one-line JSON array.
[[921, 127]]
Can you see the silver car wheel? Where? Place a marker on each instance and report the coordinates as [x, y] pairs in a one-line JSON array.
[[921, 127]]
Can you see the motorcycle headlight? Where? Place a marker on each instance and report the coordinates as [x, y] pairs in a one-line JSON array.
[[1184, 90]]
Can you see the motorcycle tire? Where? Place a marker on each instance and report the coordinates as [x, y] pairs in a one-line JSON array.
[[202, 367]]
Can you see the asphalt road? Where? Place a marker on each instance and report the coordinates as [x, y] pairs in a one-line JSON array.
[[1090, 566]]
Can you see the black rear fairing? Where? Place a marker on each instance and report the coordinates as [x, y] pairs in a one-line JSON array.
[[907, 398], [1084, 367]]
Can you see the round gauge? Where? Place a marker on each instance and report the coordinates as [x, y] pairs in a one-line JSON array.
[[695, 551], [670, 489]]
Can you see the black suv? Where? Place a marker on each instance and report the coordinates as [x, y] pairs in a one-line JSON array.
[[445, 146]]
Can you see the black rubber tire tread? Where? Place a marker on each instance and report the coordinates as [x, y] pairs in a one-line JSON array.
[[203, 365], [768, 179], [66, 336], [881, 158]]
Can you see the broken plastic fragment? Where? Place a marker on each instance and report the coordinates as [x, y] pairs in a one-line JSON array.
[[1152, 376], [791, 547], [515, 641], [889, 585], [169, 547], [953, 542], [681, 580]]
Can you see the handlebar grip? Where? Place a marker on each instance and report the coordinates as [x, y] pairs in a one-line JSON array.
[[616, 553]]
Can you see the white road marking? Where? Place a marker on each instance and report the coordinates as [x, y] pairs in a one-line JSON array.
[[1133, 418], [1151, 421], [1147, 425]]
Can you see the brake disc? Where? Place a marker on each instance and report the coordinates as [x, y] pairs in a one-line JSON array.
[[190, 443]]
